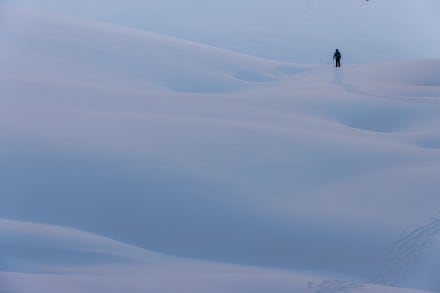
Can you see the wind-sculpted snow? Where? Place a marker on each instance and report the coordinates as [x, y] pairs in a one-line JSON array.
[[108, 52], [168, 146], [52, 259], [42, 242], [412, 259], [298, 30]]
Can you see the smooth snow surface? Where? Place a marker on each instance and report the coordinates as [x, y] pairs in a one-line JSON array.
[[138, 162], [296, 30]]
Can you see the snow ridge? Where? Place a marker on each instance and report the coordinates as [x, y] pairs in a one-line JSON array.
[[159, 144]]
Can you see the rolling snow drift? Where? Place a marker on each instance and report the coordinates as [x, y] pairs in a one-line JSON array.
[[137, 162]]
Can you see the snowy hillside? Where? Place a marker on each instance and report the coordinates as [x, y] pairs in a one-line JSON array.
[[138, 162], [53, 259], [302, 31]]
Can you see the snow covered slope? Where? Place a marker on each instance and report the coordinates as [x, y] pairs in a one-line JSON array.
[[311, 173], [297, 30], [54, 259]]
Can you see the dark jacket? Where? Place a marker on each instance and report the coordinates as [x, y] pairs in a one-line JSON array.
[[337, 54]]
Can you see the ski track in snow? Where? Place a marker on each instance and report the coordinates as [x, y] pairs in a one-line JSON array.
[[337, 286], [405, 252], [399, 261]]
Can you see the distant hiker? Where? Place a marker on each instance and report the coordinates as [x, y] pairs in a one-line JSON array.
[[337, 57]]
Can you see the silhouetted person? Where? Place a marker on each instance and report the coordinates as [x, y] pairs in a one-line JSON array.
[[337, 57]]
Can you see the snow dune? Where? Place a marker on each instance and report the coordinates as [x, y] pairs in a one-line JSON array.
[[311, 179], [96, 51], [114, 267], [298, 30]]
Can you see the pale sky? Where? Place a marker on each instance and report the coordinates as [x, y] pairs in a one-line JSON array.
[[199, 152], [305, 31]]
